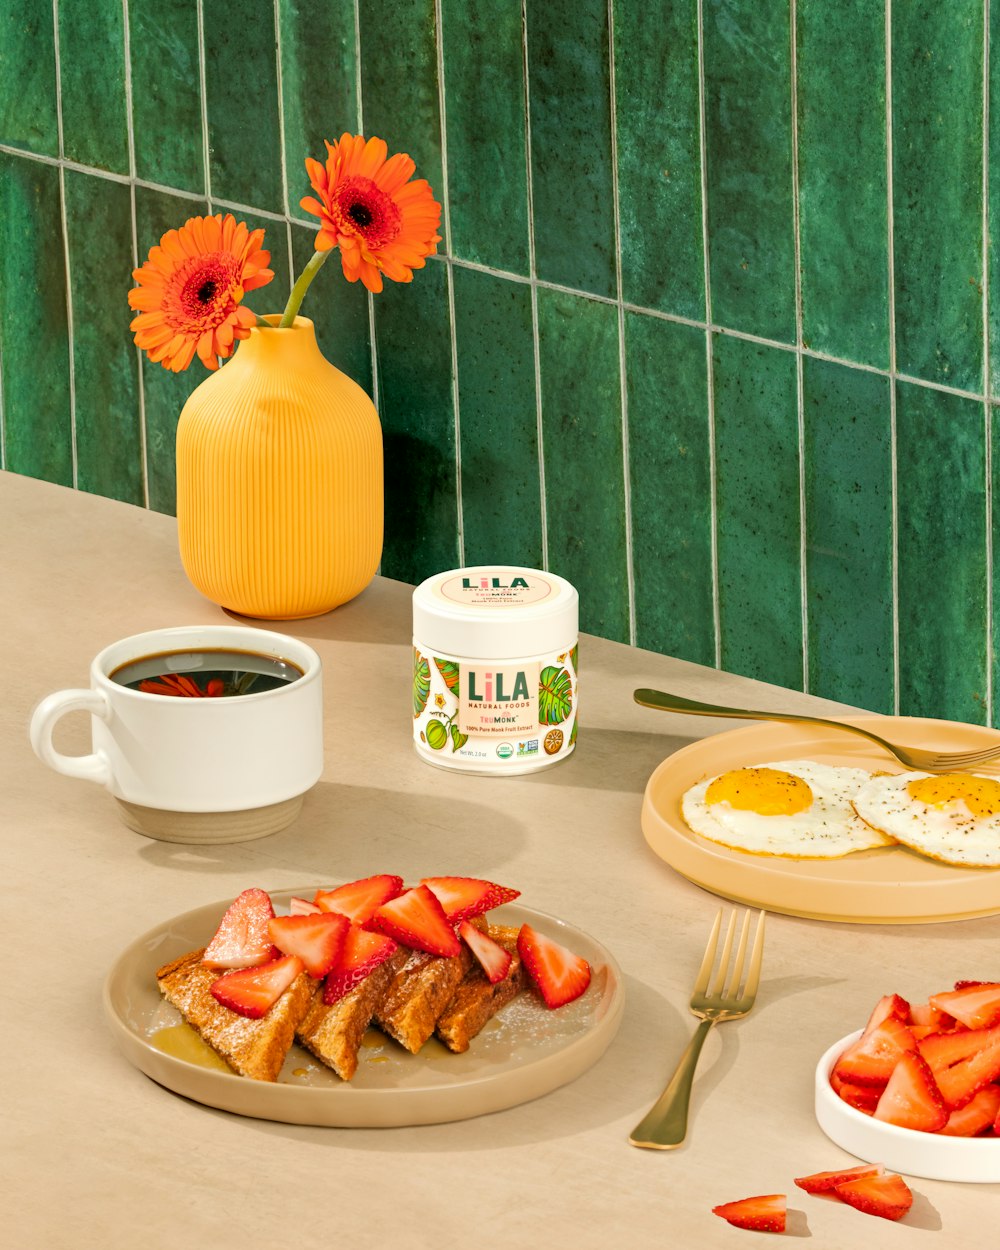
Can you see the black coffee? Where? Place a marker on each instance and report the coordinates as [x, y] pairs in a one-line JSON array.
[[206, 674]]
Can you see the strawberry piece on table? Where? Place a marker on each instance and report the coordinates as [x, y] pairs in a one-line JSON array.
[[978, 1115], [316, 939], [823, 1182], [359, 900], [889, 1006], [252, 992], [871, 1059], [887, 1196], [241, 940], [765, 1214], [360, 954], [912, 1099], [493, 959], [465, 897], [417, 919], [977, 1006], [560, 975]]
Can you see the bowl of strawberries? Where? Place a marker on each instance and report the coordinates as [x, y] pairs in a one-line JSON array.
[[918, 1088]]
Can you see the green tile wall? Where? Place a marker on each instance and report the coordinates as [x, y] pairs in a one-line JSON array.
[[712, 330]]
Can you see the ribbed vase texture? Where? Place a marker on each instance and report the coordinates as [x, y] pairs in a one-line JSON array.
[[279, 480]]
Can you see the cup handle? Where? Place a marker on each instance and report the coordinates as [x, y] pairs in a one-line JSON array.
[[92, 767]]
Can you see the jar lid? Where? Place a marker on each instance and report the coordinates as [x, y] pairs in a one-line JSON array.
[[495, 611]]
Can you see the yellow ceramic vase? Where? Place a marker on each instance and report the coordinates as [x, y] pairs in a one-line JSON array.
[[279, 480]]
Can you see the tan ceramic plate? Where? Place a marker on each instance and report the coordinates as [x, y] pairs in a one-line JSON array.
[[891, 885], [524, 1052]]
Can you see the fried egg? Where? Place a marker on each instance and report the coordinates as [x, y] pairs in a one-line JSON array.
[[952, 817], [795, 808]]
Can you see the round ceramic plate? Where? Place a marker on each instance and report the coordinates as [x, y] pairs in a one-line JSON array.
[[525, 1050], [891, 885], [932, 1155]]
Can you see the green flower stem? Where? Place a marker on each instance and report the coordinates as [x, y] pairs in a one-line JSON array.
[[262, 324], [300, 288]]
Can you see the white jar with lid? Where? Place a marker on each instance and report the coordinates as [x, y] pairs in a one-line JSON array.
[[495, 669]]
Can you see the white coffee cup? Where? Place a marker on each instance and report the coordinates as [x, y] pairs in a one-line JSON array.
[[196, 770]]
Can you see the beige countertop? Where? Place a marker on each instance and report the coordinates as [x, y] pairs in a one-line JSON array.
[[96, 1154]]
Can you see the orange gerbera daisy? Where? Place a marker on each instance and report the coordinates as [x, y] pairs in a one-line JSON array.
[[191, 288], [382, 222]]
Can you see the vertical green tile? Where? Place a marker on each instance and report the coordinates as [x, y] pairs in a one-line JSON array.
[[843, 194], [318, 83], [584, 458], [659, 158], [749, 167], [337, 308], [241, 86], [849, 540], [569, 94], [993, 204], [937, 118], [34, 335], [28, 117], [105, 371], [498, 421], [757, 498], [164, 393], [166, 93], [418, 424], [669, 469], [400, 81], [92, 76], [487, 158], [941, 476]]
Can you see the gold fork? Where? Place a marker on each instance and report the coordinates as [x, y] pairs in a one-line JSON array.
[[912, 757], [665, 1124]]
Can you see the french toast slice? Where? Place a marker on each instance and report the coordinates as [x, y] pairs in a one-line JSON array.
[[418, 993], [334, 1032], [476, 1000], [253, 1048]]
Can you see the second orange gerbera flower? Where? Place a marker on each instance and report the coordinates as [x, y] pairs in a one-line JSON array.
[[383, 222]]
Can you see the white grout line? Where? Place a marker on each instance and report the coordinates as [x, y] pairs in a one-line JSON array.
[[450, 278], [891, 278], [130, 131], [622, 373], [203, 90], [987, 366], [282, 149], [799, 381], [709, 357], [64, 229], [534, 285]]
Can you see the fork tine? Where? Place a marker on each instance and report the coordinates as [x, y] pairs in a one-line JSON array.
[[964, 759], [756, 958], [708, 959], [727, 946], [741, 953]]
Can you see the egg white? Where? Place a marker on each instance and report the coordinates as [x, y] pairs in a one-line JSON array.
[[828, 829], [951, 834]]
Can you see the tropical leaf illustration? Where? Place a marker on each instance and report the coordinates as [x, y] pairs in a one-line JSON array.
[[555, 695], [450, 672], [458, 740], [573, 659], [572, 732], [421, 682]]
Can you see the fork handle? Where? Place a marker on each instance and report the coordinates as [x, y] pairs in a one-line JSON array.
[[664, 1126], [677, 703]]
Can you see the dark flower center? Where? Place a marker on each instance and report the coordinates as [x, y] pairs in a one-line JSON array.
[[206, 292], [360, 214]]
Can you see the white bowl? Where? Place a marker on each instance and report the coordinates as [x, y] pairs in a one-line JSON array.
[[931, 1155]]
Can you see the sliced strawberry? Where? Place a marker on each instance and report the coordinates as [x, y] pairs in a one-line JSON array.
[[316, 939], [765, 1213], [493, 959], [890, 1005], [252, 992], [912, 1099], [871, 1059], [417, 919], [976, 1006], [302, 907], [360, 954], [924, 1015], [465, 897], [822, 1182], [961, 1081], [560, 975], [978, 1115], [887, 1196], [241, 940], [861, 1097], [359, 900]]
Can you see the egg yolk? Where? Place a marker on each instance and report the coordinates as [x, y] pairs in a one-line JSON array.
[[981, 795], [766, 791]]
